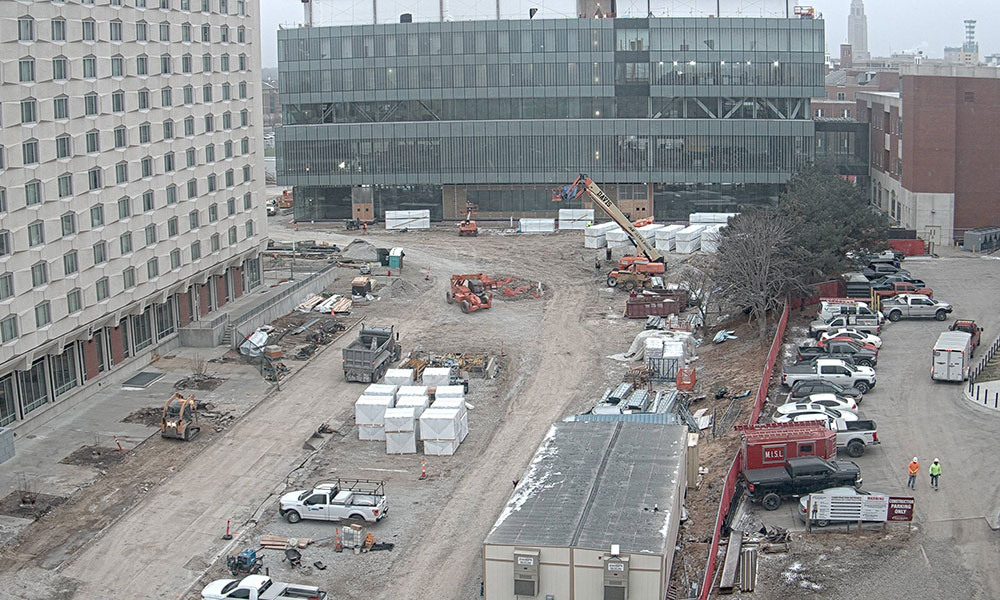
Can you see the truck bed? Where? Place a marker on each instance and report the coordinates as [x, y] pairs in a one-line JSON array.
[[767, 475]]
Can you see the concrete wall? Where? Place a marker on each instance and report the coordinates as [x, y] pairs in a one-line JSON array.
[[930, 214]]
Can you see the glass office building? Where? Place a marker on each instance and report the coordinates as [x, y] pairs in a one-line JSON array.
[[669, 115]]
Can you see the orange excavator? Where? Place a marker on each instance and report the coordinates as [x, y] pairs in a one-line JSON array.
[[633, 271], [468, 227], [469, 290]]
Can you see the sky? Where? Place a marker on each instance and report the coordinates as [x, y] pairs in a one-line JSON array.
[[893, 25]]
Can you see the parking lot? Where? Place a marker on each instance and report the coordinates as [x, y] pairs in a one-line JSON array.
[[953, 549]]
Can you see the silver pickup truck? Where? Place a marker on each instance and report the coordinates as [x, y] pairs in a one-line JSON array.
[[915, 306], [830, 369]]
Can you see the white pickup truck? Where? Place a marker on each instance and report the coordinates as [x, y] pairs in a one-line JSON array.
[[830, 369], [360, 499], [259, 587]]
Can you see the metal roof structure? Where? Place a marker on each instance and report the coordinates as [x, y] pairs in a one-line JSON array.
[[655, 418], [593, 484]]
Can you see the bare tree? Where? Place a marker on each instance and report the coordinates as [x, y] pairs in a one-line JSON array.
[[695, 277], [755, 267]]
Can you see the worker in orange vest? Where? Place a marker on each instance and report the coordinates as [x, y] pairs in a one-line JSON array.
[[913, 468]]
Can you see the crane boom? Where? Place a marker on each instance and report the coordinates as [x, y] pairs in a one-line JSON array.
[[585, 184]]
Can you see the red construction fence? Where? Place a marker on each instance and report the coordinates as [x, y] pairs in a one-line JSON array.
[[734, 470], [827, 289], [915, 247]]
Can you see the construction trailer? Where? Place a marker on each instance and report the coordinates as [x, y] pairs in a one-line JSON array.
[[595, 516]]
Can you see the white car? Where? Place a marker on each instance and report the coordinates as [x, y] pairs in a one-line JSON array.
[[837, 491], [827, 400], [854, 334], [812, 412]]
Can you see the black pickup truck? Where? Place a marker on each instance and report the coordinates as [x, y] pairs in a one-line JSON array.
[[838, 349], [798, 476]]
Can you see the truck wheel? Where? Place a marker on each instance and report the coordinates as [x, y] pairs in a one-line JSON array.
[[940, 315], [855, 449], [862, 387], [293, 516], [895, 316], [865, 363], [629, 286], [771, 501], [612, 281], [449, 298], [465, 306], [822, 523]]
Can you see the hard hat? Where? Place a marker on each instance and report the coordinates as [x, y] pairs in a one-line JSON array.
[[915, 459], [935, 460]]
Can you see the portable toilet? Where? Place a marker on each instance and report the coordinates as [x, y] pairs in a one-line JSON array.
[[396, 258]]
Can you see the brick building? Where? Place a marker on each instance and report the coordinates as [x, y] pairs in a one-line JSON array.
[[932, 146]]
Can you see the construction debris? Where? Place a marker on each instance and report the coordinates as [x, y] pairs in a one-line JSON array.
[[274, 542]]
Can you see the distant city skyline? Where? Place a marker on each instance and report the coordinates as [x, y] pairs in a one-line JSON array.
[[893, 25]]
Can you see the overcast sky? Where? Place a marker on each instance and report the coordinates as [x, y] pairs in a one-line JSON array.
[[893, 25]]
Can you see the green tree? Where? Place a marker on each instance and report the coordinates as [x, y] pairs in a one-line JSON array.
[[829, 216]]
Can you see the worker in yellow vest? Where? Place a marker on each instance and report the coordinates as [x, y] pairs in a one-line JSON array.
[[935, 471]]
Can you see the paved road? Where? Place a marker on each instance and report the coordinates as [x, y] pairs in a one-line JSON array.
[[919, 417]]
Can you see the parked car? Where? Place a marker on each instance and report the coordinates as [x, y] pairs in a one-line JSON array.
[[858, 322], [259, 587], [884, 281], [359, 499], [821, 412], [837, 491], [804, 389], [968, 326], [854, 436], [876, 270], [862, 356], [823, 342], [831, 369], [903, 287], [827, 400], [853, 334], [796, 477], [915, 306], [834, 307]]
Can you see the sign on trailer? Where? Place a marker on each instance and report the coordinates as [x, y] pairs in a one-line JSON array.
[[900, 509]]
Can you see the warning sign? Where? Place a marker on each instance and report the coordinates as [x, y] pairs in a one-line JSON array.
[[900, 509]]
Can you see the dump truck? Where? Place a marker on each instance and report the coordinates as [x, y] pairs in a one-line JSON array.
[[367, 358]]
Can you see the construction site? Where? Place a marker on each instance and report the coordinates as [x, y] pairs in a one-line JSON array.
[[530, 406]]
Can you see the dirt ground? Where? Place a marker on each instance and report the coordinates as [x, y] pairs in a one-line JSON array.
[[555, 341]]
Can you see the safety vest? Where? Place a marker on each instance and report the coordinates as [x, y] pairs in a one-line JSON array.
[[914, 467], [935, 469]]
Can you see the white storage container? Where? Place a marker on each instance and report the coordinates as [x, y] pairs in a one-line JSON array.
[[399, 419], [411, 390], [440, 447], [537, 225], [649, 231], [381, 389], [688, 247], [417, 403], [440, 424], [370, 410], [400, 442], [689, 233], [449, 391], [371, 433], [710, 217], [436, 376], [575, 218], [399, 377]]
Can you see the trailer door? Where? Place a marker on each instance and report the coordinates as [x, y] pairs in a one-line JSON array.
[[939, 366]]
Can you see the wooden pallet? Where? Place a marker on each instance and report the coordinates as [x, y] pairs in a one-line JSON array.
[[274, 542]]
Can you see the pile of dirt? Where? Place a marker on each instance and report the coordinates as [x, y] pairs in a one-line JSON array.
[[39, 504], [150, 416], [94, 456], [401, 289], [197, 381], [360, 250]]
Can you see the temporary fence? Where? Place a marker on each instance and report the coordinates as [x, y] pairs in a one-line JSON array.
[[827, 289], [979, 392], [729, 489]]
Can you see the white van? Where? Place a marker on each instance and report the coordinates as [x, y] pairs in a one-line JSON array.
[[952, 356], [834, 307]]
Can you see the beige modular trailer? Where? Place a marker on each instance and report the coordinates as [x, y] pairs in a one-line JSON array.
[[595, 516]]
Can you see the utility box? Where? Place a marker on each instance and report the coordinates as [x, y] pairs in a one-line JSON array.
[[525, 572], [615, 577], [6, 444], [771, 444]]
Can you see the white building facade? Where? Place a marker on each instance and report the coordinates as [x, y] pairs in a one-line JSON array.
[[131, 183]]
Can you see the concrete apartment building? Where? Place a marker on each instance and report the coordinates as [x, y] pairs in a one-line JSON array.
[[131, 199], [669, 115], [933, 147]]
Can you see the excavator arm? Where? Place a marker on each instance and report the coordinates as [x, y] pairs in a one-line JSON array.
[[585, 184]]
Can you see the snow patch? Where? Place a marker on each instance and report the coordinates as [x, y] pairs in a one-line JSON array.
[[533, 481]]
